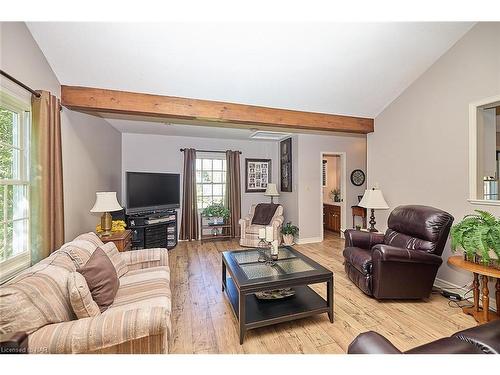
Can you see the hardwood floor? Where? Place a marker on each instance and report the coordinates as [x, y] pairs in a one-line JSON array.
[[202, 320]]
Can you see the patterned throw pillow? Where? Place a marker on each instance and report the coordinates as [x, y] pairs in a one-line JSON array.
[[80, 297], [116, 258]]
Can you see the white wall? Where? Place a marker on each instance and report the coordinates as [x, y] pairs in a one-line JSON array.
[[160, 153], [91, 147], [311, 148], [419, 150]]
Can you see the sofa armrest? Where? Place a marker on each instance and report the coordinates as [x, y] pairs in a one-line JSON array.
[[362, 239], [146, 258], [371, 343], [100, 332], [386, 253]]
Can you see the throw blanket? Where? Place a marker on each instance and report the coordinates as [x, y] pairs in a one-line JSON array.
[[264, 212]]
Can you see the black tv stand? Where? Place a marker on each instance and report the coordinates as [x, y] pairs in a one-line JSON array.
[[153, 229]]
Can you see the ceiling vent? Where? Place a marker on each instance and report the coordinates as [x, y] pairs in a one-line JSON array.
[[269, 136]]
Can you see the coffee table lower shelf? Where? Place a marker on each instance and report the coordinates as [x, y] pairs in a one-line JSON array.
[[260, 313]]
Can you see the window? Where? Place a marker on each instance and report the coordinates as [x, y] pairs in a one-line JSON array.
[[14, 185], [210, 178]]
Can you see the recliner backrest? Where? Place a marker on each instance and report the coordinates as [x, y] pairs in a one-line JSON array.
[[418, 227]]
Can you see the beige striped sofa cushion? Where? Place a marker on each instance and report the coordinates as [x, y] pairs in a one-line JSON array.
[[80, 297], [116, 258]]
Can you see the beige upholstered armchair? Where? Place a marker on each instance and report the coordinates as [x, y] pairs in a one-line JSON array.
[[250, 232]]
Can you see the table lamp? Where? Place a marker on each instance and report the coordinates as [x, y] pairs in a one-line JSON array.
[[106, 202], [374, 200], [271, 191]]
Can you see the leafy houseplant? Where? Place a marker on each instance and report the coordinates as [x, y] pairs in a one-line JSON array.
[[216, 212], [289, 231], [335, 195], [479, 236]]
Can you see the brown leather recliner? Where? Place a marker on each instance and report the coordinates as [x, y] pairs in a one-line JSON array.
[[483, 339], [403, 262]]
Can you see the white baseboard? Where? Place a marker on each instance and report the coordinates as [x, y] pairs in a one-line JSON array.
[[461, 290], [302, 241]]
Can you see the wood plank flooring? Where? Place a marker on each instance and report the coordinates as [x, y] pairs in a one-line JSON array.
[[202, 320]]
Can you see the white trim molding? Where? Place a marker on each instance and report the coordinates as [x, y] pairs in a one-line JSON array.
[[303, 241], [461, 290]]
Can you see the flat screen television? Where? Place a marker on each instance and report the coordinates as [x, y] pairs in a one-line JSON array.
[[152, 191]]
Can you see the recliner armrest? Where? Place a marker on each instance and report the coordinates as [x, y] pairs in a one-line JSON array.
[[361, 239], [371, 343], [386, 253]]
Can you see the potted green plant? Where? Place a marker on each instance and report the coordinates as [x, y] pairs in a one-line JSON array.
[[289, 231], [217, 213], [335, 195], [479, 236]]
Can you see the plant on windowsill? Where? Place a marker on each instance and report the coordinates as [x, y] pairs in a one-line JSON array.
[[289, 231], [216, 213], [479, 236]]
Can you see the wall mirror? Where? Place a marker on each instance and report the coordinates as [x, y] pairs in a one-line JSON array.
[[484, 138]]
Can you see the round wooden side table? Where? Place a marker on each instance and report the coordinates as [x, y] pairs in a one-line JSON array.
[[481, 314]]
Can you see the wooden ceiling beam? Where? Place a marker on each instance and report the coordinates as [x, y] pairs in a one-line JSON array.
[[89, 99]]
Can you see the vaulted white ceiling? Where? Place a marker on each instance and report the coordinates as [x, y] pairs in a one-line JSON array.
[[341, 68]]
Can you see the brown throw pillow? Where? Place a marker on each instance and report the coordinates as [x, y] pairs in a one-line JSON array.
[[101, 278], [264, 213]]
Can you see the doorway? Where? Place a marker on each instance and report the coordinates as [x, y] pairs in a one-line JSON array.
[[332, 192]]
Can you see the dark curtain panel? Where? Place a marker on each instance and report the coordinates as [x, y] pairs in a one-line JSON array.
[[47, 206], [189, 221], [233, 189]]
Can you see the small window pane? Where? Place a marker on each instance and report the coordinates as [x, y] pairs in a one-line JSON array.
[[198, 164], [207, 189], [224, 164], [9, 127], [207, 164], [217, 164], [217, 177], [19, 236], [9, 163], [207, 176], [199, 190], [217, 199], [17, 202], [6, 240], [217, 189], [3, 190], [198, 177]]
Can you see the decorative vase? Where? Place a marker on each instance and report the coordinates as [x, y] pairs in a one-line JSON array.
[[288, 239]]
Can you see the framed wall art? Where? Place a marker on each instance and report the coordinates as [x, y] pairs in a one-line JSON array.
[[286, 165], [257, 175]]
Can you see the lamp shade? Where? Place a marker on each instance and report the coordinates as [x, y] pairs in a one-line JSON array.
[[373, 199], [271, 191], [106, 202]]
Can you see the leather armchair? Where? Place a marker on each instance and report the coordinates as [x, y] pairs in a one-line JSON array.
[[403, 262], [483, 339]]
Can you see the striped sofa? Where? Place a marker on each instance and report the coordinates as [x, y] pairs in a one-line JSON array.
[[138, 321]]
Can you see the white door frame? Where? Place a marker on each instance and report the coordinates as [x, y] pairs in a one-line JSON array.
[[343, 185]]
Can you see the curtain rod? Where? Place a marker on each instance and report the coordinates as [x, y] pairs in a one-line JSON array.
[[27, 88], [217, 152]]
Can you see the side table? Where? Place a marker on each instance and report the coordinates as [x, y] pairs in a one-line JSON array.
[[122, 240], [481, 314]]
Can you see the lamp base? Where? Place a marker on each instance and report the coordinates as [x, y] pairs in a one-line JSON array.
[[372, 222], [106, 224]]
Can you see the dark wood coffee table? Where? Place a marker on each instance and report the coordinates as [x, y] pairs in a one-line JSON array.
[[243, 275]]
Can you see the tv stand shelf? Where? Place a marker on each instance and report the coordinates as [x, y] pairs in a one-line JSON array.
[[157, 234]]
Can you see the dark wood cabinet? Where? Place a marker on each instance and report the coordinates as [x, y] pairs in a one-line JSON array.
[[331, 217]]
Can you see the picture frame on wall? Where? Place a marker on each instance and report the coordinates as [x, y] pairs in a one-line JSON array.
[[257, 175], [286, 165]]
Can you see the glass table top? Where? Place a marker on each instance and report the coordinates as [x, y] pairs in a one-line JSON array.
[[257, 263]]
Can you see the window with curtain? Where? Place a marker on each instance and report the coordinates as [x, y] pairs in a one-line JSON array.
[[210, 178], [15, 119]]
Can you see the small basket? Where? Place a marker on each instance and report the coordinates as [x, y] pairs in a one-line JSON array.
[[478, 259]]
